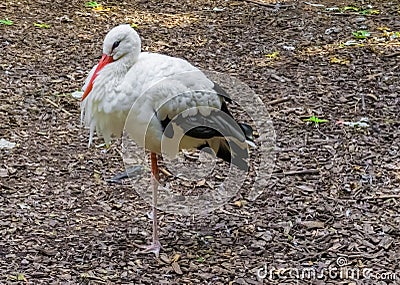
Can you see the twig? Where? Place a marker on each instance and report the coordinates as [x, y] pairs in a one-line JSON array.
[[297, 172], [278, 78], [234, 25], [363, 102], [51, 102], [93, 277], [278, 101], [5, 186], [393, 54], [270, 22], [304, 171], [341, 14], [362, 255], [56, 105], [165, 172], [260, 3], [355, 105], [318, 130], [312, 257], [277, 149], [230, 213], [372, 96], [381, 197]]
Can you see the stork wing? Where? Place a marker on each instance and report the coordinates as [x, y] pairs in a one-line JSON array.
[[204, 123], [202, 126]]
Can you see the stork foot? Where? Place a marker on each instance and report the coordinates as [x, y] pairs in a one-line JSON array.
[[131, 172], [154, 247]]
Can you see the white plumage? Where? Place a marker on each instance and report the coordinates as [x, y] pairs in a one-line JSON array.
[[119, 84], [148, 90]]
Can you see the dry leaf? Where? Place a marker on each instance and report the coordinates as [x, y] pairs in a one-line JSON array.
[[176, 268], [176, 257], [200, 183], [239, 203], [164, 258]]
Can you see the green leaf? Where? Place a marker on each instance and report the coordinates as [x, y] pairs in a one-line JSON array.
[[133, 25], [273, 55], [6, 22], [350, 8], [42, 26], [21, 277], [361, 34], [315, 120], [92, 4], [200, 259], [370, 12]]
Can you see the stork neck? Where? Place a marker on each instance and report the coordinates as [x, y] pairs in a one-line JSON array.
[[117, 70], [130, 59], [114, 73]]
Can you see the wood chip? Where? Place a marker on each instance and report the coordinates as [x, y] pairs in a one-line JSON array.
[[386, 242], [3, 172], [313, 224]]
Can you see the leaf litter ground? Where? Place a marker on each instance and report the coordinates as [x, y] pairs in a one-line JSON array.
[[334, 193]]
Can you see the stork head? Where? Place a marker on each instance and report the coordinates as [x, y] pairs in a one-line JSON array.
[[122, 42]]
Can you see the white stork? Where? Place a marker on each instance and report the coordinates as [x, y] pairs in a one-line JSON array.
[[169, 98]]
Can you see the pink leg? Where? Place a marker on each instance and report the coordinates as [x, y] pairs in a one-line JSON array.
[[155, 245]]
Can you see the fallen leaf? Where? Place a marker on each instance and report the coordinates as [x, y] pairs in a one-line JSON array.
[[273, 55], [239, 203], [339, 60], [164, 258], [383, 28], [39, 171], [362, 34], [176, 257], [216, 9], [200, 183], [42, 26], [6, 144], [200, 259], [370, 12], [351, 8], [97, 177], [21, 277], [92, 4], [6, 22], [101, 9], [176, 268], [315, 120]]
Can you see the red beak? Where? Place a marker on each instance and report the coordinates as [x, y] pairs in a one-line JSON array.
[[105, 59]]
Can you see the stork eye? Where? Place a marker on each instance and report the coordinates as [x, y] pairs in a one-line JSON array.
[[115, 44]]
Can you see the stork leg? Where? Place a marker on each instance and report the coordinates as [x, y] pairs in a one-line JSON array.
[[155, 246]]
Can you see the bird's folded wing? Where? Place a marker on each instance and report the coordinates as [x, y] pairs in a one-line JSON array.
[[211, 128], [204, 123]]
